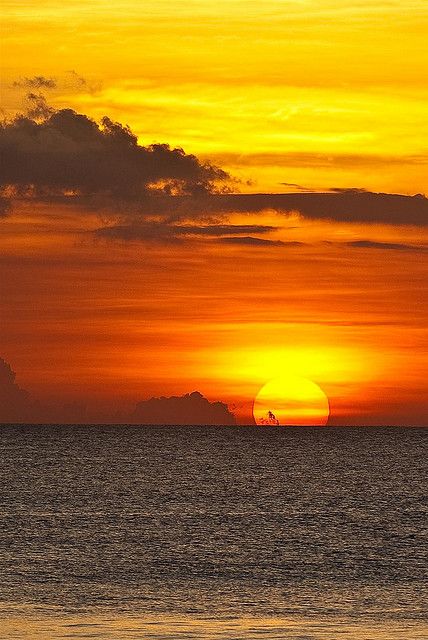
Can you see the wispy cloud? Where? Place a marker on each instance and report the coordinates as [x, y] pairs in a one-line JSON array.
[[36, 82]]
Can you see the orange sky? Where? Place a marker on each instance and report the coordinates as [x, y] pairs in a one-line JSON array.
[[103, 319], [304, 93]]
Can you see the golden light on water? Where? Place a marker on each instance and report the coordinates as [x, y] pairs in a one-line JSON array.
[[291, 400]]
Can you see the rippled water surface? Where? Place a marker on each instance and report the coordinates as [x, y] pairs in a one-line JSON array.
[[228, 533]]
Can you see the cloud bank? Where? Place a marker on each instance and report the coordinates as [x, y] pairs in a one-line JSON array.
[[17, 406], [190, 409], [349, 205]]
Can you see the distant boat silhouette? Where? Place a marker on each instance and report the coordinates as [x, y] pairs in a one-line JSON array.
[[271, 420]]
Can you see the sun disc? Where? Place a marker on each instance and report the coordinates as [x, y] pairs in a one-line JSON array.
[[291, 400]]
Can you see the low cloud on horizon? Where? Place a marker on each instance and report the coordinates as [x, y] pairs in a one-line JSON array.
[[17, 406], [189, 409]]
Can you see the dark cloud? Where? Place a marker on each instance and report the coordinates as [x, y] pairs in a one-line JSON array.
[[15, 404], [358, 244], [36, 82], [228, 234], [57, 153], [293, 185], [342, 190], [174, 233], [38, 108], [395, 246], [225, 229], [352, 205], [63, 154], [256, 242], [190, 409]]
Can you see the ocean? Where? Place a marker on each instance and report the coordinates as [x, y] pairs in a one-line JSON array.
[[124, 531]]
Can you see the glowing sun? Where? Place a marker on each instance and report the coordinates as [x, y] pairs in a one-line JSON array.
[[291, 401]]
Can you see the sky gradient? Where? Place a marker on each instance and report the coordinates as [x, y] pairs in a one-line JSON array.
[[129, 271]]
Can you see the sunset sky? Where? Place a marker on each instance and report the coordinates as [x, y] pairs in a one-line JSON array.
[[130, 271]]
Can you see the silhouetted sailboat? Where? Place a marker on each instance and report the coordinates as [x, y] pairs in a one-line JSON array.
[[271, 420]]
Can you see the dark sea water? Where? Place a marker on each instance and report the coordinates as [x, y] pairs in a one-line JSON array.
[[218, 532]]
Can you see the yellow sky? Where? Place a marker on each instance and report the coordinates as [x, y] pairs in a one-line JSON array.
[[317, 93]]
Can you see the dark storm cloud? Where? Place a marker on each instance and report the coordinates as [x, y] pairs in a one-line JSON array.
[[36, 82], [63, 153], [190, 409]]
